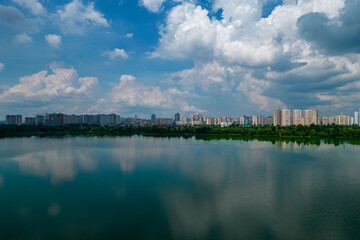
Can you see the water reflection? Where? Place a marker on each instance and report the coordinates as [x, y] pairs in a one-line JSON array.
[[298, 140], [177, 188], [261, 194], [60, 166]]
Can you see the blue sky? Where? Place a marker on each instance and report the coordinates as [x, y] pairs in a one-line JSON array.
[[217, 57]]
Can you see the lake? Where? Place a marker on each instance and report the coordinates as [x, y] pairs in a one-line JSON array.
[[177, 188]]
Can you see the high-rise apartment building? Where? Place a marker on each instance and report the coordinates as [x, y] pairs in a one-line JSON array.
[[153, 119], [55, 119], [10, 120], [261, 120], [296, 117], [242, 120], [348, 120], [210, 121], [324, 121], [72, 119], [343, 120], [332, 120], [177, 117], [277, 117], [314, 117], [30, 121], [269, 121], [307, 117], [255, 120], [89, 119], [107, 119], [356, 117], [14, 120], [196, 117], [39, 120], [285, 117]]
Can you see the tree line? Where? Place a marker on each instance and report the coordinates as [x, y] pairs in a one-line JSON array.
[[313, 131]]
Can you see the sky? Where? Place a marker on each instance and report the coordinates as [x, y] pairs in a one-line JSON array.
[[215, 57]]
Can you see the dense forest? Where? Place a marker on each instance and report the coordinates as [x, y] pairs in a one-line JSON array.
[[313, 131]]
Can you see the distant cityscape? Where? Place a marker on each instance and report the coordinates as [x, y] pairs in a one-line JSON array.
[[281, 117]]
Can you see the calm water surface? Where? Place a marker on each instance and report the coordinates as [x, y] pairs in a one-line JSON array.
[[160, 188]]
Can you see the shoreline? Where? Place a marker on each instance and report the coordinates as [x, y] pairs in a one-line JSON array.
[[211, 133]]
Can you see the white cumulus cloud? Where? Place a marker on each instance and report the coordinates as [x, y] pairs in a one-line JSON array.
[[54, 40], [152, 5], [265, 60], [131, 93], [61, 89], [113, 54], [34, 5], [129, 35], [128, 93], [185, 107], [22, 38], [75, 17], [211, 76], [1, 67]]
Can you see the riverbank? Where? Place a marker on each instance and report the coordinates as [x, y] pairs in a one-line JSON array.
[[259, 132]]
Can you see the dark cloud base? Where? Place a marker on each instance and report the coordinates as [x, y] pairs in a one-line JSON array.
[[339, 36]]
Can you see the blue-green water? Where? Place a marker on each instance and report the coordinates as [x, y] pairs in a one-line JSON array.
[[175, 188]]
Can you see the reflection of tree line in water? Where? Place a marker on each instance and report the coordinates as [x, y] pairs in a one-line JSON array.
[[308, 135], [274, 140]]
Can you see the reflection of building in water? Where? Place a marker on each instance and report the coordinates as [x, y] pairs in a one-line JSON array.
[[282, 145], [297, 146], [285, 145], [290, 146], [310, 146]]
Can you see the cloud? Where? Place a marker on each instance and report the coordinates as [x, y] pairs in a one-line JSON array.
[[152, 5], [129, 35], [253, 88], [339, 36], [1, 67], [22, 39], [190, 33], [210, 76], [12, 17], [75, 17], [131, 93], [241, 37], [322, 82], [187, 28], [54, 40], [56, 91], [113, 54], [278, 60], [34, 5], [214, 78], [185, 107]]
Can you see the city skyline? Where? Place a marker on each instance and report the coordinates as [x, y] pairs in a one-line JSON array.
[[221, 57], [280, 117], [233, 115]]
